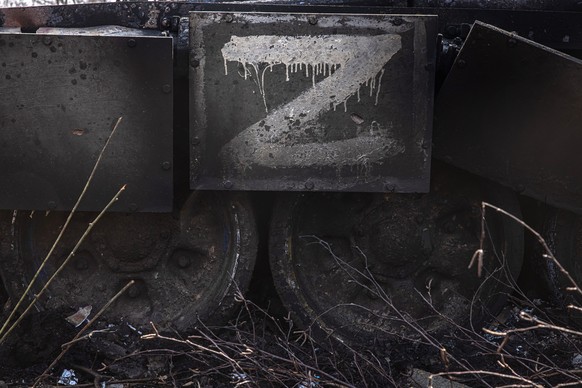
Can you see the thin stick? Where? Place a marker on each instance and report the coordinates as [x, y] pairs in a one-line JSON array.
[[90, 335], [549, 255], [63, 229], [539, 325], [87, 231], [72, 342]]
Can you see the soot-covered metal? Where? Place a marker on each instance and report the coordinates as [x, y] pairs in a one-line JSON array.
[[510, 111], [58, 99], [296, 102]]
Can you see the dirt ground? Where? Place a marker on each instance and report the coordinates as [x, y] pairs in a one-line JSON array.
[[263, 348]]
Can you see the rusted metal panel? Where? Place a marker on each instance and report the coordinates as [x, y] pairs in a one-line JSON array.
[[311, 102], [510, 110], [59, 96]]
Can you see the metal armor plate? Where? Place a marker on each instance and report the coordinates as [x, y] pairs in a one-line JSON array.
[[311, 102], [59, 96], [510, 110]]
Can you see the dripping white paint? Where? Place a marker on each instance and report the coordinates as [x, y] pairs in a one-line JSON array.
[[314, 56], [347, 64]]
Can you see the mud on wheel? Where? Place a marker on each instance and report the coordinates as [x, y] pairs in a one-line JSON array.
[[365, 268], [186, 265]]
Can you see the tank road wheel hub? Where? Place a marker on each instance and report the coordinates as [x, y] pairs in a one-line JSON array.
[[186, 266], [368, 267]]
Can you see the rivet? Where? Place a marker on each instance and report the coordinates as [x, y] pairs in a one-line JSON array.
[[131, 43], [312, 20], [461, 63], [452, 30], [183, 261], [228, 18], [397, 21], [511, 42], [47, 40], [194, 62], [227, 184], [166, 165], [52, 205], [309, 185], [195, 140], [166, 89], [389, 187]]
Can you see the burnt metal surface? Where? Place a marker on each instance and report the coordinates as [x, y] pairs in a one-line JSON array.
[[311, 102], [562, 5], [538, 21], [510, 111], [58, 99], [552, 26]]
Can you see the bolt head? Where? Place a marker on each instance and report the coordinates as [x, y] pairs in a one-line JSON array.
[[452, 30], [227, 184], [397, 21], [131, 43], [166, 89], [166, 166], [309, 185], [183, 261]]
